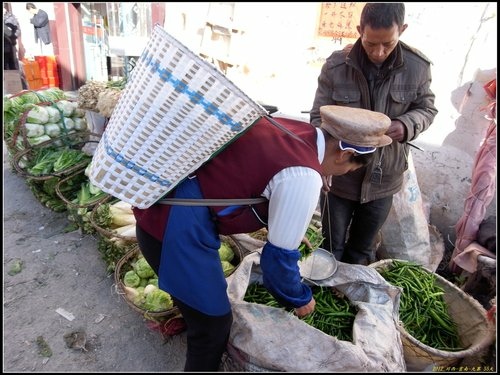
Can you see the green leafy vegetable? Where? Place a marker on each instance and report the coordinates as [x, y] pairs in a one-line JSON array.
[[225, 252], [158, 300], [131, 279], [143, 269]]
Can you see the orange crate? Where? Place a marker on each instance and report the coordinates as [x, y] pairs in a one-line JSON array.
[[53, 82], [35, 84], [36, 70], [28, 70]]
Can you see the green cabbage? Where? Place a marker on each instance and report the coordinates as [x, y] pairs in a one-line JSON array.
[[37, 140], [140, 298], [38, 115], [66, 123], [34, 130], [66, 107], [52, 130], [143, 269], [153, 281], [158, 300], [227, 267], [131, 279], [225, 252], [80, 123], [54, 114]]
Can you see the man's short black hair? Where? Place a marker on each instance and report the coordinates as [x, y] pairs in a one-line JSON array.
[[382, 15], [30, 6]]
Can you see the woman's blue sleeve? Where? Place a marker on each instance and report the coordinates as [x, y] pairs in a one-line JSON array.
[[281, 276]]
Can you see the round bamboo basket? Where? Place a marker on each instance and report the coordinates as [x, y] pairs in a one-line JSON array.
[[68, 199], [475, 331], [73, 140], [121, 268]]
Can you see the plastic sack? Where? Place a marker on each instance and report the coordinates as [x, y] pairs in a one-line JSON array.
[[265, 338], [405, 233]]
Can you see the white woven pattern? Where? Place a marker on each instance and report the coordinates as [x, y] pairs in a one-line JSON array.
[[175, 112]]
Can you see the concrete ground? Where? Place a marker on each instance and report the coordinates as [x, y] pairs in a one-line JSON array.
[[64, 272]]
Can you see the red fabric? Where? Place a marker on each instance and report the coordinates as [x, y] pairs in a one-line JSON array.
[[482, 190]]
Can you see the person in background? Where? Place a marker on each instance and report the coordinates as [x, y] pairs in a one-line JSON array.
[[380, 73], [40, 21], [13, 49], [181, 242]]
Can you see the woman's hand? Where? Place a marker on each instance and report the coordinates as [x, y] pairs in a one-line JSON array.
[[306, 309]]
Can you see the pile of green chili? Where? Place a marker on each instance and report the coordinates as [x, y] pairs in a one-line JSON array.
[[333, 315], [315, 237], [423, 310]]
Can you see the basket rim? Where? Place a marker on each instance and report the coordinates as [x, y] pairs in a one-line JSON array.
[[473, 348], [69, 203], [119, 286]]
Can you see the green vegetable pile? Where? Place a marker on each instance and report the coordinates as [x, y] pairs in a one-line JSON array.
[[315, 238], [423, 311], [45, 192], [333, 315], [141, 286], [33, 117], [49, 160], [226, 255], [14, 107], [81, 203], [112, 251]]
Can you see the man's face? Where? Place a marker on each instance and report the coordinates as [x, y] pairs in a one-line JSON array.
[[379, 43]]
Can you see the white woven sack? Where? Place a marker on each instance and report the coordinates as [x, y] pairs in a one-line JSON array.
[[265, 338], [175, 113]]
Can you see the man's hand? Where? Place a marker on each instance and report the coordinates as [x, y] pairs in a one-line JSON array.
[[306, 309], [396, 131]]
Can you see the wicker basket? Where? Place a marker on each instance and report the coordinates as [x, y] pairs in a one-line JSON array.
[[176, 112], [121, 269], [68, 197], [67, 190], [475, 331], [76, 140]]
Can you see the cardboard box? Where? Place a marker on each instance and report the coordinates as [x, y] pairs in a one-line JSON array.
[[11, 82]]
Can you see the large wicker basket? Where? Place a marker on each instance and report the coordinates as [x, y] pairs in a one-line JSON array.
[[175, 113], [475, 331]]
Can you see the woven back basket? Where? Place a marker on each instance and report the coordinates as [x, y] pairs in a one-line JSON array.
[[475, 331], [176, 112]]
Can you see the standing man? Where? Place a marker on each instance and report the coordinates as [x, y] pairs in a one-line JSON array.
[[13, 49], [40, 21], [380, 73]]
